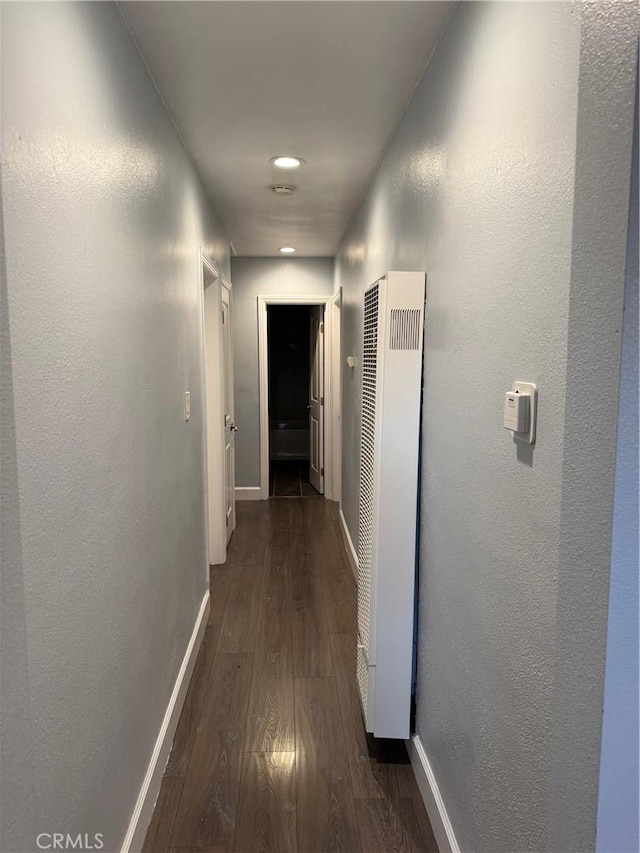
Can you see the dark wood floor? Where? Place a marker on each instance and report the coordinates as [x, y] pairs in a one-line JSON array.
[[270, 753], [289, 478]]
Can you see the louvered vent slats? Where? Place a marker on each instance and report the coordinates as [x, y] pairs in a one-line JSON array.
[[405, 328], [367, 459]]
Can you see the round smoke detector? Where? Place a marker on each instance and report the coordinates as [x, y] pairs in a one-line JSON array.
[[282, 189]]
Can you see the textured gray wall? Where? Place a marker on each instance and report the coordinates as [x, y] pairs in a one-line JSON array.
[[103, 541], [479, 189], [608, 56], [618, 795], [253, 277]]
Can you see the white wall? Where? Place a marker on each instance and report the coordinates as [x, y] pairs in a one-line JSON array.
[[253, 277], [489, 188], [619, 798], [103, 541]]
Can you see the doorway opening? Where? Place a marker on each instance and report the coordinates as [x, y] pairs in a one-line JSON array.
[[299, 352], [295, 469]]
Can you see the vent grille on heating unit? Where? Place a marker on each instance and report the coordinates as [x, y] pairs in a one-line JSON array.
[[404, 328], [365, 530]]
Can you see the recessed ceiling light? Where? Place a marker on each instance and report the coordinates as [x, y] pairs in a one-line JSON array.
[[287, 162], [286, 250]]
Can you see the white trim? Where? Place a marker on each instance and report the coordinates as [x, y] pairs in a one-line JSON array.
[[213, 445], [263, 368], [434, 804], [335, 400], [248, 493], [143, 811], [351, 551]]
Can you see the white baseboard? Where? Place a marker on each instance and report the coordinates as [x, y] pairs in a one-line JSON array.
[[351, 551], [432, 797], [141, 817], [248, 493]]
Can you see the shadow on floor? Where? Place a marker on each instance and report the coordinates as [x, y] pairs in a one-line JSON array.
[[290, 479]]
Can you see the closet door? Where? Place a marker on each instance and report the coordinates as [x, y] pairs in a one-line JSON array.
[[229, 426]]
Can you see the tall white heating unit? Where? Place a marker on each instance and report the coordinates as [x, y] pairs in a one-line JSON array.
[[391, 404]]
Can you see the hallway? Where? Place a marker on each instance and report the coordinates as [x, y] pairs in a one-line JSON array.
[[174, 174], [270, 752]]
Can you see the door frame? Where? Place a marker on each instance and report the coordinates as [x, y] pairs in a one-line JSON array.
[[336, 397], [331, 355], [212, 442]]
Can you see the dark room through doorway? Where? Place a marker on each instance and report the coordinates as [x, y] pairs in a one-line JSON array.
[[294, 349]]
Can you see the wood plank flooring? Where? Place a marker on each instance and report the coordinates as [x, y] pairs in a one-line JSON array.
[[270, 754], [289, 478]]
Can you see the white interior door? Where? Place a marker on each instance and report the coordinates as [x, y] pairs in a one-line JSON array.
[[214, 403], [316, 399], [229, 424]]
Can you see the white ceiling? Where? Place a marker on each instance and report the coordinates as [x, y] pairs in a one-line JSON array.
[[326, 81]]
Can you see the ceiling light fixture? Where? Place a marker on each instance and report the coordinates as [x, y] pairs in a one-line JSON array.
[[286, 250], [287, 162]]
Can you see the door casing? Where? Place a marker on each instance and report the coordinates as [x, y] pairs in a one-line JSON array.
[[331, 354]]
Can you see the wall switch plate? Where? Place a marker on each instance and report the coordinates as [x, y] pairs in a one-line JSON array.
[[530, 390], [187, 405], [516, 411]]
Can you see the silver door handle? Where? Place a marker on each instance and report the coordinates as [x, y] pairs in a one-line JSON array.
[[309, 407]]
